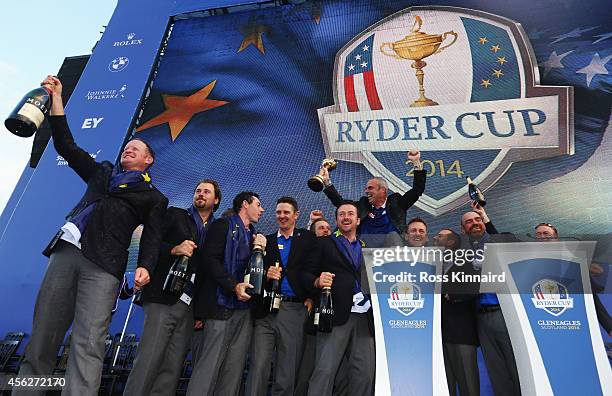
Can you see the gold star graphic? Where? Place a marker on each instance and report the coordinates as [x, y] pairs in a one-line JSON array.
[[495, 48], [180, 109], [314, 8], [485, 83], [501, 60], [497, 73], [316, 11], [483, 40], [252, 36]]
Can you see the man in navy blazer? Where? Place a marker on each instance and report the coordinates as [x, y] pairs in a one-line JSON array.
[[342, 268]]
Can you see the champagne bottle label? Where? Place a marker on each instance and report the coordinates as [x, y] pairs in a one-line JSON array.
[[277, 301], [33, 113], [316, 319]]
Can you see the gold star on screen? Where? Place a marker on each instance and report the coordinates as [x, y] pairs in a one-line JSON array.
[[485, 83], [253, 36], [314, 8], [180, 109]]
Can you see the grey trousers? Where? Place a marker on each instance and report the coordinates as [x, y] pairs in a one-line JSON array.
[[307, 366], [498, 354], [309, 356], [163, 345], [197, 340], [283, 331], [224, 348], [354, 340], [78, 292], [461, 364]]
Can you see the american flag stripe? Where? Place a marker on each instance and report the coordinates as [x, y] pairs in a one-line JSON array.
[[360, 91], [371, 92], [349, 94]]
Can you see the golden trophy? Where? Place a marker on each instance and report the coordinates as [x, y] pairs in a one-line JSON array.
[[316, 183], [415, 47]]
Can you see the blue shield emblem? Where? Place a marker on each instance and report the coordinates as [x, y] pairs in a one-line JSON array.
[[551, 296], [457, 84], [406, 298]]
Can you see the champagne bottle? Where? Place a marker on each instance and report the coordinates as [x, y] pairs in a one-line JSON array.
[[475, 194], [29, 113], [177, 276], [275, 294], [254, 272], [324, 314]]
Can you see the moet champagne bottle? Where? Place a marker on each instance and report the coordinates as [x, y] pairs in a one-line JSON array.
[[29, 113], [324, 313], [275, 294], [475, 194], [177, 276], [254, 272]]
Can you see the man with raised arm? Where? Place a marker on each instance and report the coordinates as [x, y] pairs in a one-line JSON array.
[[379, 211], [88, 256]]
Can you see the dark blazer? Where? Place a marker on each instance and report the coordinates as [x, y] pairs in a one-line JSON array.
[[459, 308], [117, 214], [460, 301], [332, 260], [397, 204], [178, 226], [303, 255], [602, 314], [211, 274]]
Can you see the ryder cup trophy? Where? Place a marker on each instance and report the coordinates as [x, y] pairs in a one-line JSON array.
[[415, 47], [315, 183]]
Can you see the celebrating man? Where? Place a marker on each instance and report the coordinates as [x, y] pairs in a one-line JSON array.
[[492, 331], [168, 324], [380, 213], [221, 300], [341, 267], [294, 249], [459, 334], [318, 224], [88, 256]]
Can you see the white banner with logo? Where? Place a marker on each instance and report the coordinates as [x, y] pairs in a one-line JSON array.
[[550, 315], [404, 284]]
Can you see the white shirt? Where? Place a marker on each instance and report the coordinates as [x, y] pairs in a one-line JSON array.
[[71, 234]]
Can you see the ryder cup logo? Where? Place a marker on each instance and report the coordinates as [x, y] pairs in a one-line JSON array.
[[454, 83], [551, 296], [118, 64], [405, 298]]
